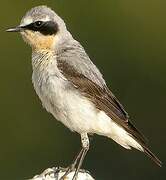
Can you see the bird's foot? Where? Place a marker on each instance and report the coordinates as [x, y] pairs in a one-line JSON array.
[[68, 170]]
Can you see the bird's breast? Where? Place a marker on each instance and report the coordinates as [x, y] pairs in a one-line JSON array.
[[49, 84], [63, 101]]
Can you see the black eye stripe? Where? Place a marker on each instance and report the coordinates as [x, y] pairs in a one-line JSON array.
[[45, 28]]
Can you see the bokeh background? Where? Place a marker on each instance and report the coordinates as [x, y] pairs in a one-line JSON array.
[[127, 41]]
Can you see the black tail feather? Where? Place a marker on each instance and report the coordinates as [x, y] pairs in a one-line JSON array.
[[140, 138], [152, 156]]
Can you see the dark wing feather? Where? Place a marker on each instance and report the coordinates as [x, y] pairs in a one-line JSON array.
[[102, 98]]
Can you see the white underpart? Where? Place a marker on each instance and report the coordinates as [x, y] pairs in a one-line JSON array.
[[117, 133], [74, 110]]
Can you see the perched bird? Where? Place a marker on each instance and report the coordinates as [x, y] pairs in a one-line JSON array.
[[72, 88]]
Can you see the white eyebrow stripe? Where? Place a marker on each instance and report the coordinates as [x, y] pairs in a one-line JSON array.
[[29, 20], [26, 21]]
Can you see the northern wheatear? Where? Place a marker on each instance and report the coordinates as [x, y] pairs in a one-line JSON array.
[[71, 87]]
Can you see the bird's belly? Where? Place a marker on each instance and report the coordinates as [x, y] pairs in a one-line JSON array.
[[67, 105], [78, 113]]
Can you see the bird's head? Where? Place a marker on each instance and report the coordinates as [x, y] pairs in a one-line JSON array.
[[42, 28]]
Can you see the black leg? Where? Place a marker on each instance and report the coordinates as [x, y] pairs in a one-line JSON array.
[[80, 163], [85, 145], [79, 158], [74, 163]]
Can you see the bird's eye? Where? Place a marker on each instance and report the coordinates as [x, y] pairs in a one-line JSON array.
[[44, 27], [38, 24]]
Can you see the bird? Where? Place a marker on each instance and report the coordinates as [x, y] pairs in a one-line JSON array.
[[72, 88]]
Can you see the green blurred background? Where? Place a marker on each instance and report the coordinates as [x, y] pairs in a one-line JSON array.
[[127, 41]]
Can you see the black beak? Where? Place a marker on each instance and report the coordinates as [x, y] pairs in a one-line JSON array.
[[16, 29]]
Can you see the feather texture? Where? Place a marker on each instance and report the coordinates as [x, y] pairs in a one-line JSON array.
[[104, 100]]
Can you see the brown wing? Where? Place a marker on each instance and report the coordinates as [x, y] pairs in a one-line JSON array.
[[104, 100], [102, 97]]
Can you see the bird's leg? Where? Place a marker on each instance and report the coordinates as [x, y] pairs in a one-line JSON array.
[[85, 147], [79, 158], [72, 166]]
